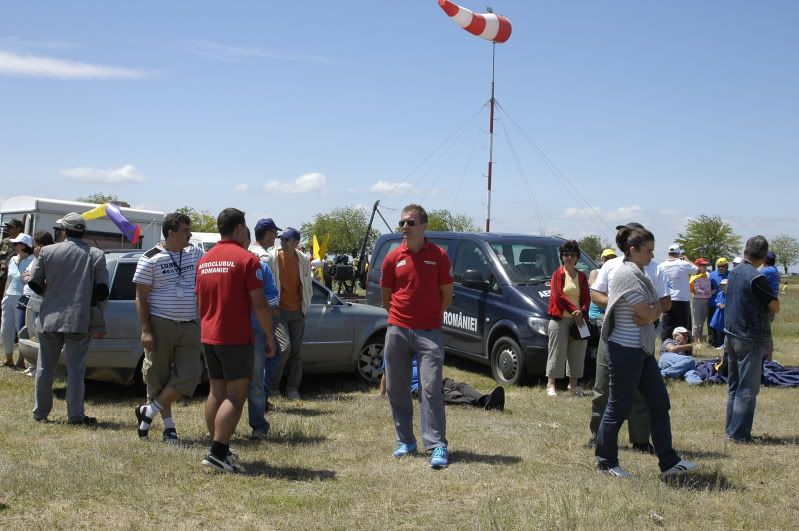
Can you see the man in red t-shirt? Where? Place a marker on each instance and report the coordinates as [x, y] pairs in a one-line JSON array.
[[229, 287], [416, 286]]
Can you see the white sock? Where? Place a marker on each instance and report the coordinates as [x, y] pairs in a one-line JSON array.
[[152, 409], [169, 423]]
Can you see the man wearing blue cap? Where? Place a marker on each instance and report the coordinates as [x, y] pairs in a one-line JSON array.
[[265, 235], [292, 272]]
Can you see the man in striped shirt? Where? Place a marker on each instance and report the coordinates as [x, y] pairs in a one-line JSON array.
[[170, 333]]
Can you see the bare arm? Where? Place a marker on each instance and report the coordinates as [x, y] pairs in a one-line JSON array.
[[143, 312], [385, 294], [774, 306], [264, 316], [446, 296], [599, 298], [679, 348], [645, 313]]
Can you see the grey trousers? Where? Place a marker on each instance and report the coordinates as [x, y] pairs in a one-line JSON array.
[[289, 331], [75, 348], [428, 345]]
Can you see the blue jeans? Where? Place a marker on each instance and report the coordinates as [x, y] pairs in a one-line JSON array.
[[745, 365], [259, 391], [630, 369], [673, 365]]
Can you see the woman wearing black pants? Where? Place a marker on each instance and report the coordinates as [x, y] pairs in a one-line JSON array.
[[630, 335]]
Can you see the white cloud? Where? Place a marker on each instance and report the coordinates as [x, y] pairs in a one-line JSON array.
[[123, 174], [308, 182], [232, 53], [13, 64], [241, 187], [668, 212], [16, 42], [630, 213], [581, 213], [625, 213], [401, 188]]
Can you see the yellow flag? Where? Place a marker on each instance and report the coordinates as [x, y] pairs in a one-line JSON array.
[[96, 212], [315, 247]]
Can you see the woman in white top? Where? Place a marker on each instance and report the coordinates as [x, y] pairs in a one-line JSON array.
[[630, 334], [23, 247]]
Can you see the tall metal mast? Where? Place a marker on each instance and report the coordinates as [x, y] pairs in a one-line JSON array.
[[491, 137]]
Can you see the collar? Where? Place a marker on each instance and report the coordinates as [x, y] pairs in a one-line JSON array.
[[425, 246]]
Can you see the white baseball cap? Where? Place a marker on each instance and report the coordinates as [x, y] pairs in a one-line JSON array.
[[675, 248], [23, 238], [737, 260], [679, 330]]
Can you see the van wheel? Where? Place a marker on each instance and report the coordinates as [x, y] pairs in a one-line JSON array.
[[370, 359], [507, 362]]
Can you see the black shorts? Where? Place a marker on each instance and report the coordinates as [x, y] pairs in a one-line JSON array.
[[228, 362]]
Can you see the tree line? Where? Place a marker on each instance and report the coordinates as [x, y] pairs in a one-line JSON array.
[[706, 236]]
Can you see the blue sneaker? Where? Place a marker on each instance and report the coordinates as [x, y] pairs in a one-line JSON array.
[[440, 458], [404, 449]]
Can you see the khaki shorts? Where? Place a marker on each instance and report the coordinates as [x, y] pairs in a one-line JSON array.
[[177, 359], [228, 362]]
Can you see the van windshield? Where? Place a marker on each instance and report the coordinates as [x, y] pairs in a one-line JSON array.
[[532, 262]]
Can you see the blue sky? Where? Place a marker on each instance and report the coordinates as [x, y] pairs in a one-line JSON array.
[[655, 112]]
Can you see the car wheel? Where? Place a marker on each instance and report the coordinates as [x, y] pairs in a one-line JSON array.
[[370, 359], [507, 362]]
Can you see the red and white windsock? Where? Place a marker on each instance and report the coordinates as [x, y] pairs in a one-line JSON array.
[[486, 25]]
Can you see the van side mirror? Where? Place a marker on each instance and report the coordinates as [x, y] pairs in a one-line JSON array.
[[474, 279]]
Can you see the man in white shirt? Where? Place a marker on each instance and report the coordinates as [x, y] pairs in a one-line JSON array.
[[678, 271], [170, 332], [638, 422]]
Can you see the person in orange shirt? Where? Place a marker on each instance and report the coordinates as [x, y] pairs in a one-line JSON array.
[[292, 272]]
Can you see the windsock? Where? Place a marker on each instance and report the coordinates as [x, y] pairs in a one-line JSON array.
[[486, 25]]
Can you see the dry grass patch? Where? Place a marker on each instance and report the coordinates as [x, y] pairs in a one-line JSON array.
[[328, 465]]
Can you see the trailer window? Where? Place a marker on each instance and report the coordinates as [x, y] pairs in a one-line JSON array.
[[124, 289]]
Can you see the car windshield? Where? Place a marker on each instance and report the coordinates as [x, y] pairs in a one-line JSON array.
[[532, 261]]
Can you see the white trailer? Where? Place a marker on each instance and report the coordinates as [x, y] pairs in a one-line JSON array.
[[42, 214]]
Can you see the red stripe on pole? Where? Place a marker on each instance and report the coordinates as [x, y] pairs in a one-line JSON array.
[[504, 30], [477, 25], [448, 7]]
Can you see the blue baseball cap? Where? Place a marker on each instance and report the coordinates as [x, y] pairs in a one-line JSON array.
[[266, 224], [290, 234]]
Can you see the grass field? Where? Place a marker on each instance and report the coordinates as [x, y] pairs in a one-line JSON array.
[[328, 464]]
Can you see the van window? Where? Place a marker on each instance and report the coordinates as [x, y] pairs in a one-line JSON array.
[[471, 256], [532, 262], [123, 289], [375, 268]]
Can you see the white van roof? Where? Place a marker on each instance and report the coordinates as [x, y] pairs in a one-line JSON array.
[[25, 203]]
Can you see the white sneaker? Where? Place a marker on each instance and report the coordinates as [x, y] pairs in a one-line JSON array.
[[680, 468], [616, 472], [551, 391]]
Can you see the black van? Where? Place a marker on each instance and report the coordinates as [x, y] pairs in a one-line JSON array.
[[498, 314]]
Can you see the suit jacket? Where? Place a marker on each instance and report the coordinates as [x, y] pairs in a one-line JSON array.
[[68, 272]]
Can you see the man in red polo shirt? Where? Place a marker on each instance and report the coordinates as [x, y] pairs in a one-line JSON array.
[[416, 286], [229, 287]]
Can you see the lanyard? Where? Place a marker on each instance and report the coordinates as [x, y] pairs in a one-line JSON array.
[[177, 264]]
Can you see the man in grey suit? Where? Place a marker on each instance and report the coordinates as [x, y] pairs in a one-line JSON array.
[[71, 277]]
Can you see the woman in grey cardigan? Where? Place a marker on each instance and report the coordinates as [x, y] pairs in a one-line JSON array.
[[630, 334]]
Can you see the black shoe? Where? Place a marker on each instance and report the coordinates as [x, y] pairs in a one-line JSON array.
[[269, 407], [141, 417], [85, 421], [229, 464], [170, 436], [644, 448], [591, 442], [43, 420], [496, 399]]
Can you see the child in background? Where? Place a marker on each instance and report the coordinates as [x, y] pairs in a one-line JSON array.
[[717, 323]]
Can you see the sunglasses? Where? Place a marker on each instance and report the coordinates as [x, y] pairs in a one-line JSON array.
[[407, 223]]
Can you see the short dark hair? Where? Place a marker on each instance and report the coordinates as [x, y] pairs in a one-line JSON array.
[[172, 222], [632, 235], [570, 246], [419, 210], [74, 233], [756, 247], [228, 220], [42, 238]]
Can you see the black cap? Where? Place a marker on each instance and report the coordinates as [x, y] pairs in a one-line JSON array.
[[14, 223]]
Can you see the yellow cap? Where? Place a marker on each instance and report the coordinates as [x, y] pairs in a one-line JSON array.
[[722, 261], [608, 252]]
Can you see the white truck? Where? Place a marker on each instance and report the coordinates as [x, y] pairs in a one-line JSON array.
[[42, 214]]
